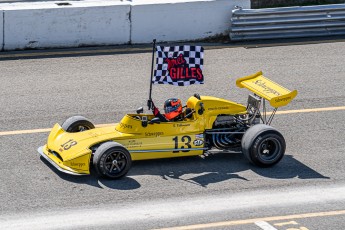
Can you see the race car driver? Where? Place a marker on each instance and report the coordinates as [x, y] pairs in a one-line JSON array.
[[172, 109]]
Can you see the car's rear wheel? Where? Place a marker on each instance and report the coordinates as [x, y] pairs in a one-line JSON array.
[[112, 160], [263, 145], [77, 124]]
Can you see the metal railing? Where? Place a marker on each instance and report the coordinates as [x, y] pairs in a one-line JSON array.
[[287, 22]]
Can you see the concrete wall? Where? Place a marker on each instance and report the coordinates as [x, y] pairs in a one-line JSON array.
[[181, 20], [1, 29], [102, 22], [50, 25]]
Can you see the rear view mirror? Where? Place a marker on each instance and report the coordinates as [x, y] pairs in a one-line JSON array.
[[140, 110], [202, 109]]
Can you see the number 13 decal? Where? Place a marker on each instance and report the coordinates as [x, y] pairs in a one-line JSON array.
[[185, 141]]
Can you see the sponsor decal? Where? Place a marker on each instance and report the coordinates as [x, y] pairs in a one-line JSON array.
[[198, 142], [154, 134], [199, 136], [181, 125], [219, 108], [134, 144], [266, 88], [125, 126], [282, 99], [79, 165]]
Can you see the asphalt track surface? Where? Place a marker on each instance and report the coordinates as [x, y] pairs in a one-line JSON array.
[[306, 190], [29, 1]]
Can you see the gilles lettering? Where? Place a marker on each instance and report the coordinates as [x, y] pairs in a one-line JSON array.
[[179, 70], [180, 73]]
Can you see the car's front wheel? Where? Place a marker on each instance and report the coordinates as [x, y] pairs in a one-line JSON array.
[[77, 124], [112, 160]]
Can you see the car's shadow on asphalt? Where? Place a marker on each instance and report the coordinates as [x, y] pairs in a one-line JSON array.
[[125, 183], [221, 167], [195, 170]]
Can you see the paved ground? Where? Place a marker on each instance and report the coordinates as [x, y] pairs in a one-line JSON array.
[[37, 92], [58, 1], [18, 1]]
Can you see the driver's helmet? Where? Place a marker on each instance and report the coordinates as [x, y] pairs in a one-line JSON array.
[[172, 108]]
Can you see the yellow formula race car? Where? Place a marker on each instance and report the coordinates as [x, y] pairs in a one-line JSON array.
[[208, 124]]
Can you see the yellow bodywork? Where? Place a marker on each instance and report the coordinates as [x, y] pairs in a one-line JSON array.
[[72, 152], [276, 94]]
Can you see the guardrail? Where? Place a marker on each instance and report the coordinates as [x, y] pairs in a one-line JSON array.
[[287, 22]]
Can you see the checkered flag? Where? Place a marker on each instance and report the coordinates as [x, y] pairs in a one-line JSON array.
[[179, 65]]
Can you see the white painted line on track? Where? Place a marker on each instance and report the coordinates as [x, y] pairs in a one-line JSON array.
[[264, 225], [286, 223], [251, 221]]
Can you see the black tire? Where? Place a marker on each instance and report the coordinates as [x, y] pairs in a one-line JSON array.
[[77, 124], [263, 145], [112, 160]]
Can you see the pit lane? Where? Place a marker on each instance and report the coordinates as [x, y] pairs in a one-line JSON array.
[[36, 93]]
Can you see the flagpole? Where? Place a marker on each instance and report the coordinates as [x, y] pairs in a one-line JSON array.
[[153, 57]]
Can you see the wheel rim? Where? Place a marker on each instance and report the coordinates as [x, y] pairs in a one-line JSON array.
[[269, 149], [79, 128], [115, 162], [82, 128]]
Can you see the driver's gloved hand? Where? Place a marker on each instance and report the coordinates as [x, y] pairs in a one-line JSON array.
[[150, 104], [155, 110]]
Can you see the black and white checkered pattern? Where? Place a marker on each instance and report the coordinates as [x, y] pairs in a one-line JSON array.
[[194, 56]]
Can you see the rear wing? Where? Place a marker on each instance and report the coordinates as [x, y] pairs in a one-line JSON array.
[[276, 94]]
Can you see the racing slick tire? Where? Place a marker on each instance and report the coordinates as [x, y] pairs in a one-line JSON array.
[[77, 124], [111, 160], [263, 145]]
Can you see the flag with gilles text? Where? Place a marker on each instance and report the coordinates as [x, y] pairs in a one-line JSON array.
[[179, 65]]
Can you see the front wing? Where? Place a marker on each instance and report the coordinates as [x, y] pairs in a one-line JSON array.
[[57, 163]]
